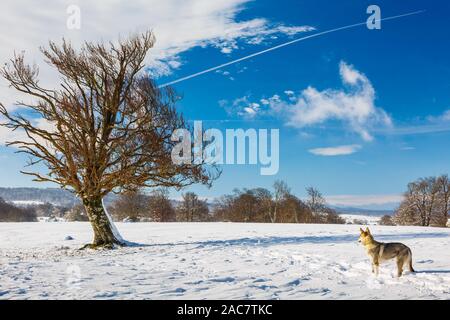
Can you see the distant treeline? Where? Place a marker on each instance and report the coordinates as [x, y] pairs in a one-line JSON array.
[[50, 195], [11, 213], [248, 205], [426, 203], [55, 196], [31, 213]]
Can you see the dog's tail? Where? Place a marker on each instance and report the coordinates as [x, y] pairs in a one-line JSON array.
[[410, 261]]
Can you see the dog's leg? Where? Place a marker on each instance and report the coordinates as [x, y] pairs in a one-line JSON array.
[[400, 263], [410, 261], [377, 268]]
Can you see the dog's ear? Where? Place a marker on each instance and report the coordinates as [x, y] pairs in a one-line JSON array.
[[361, 230], [367, 230]]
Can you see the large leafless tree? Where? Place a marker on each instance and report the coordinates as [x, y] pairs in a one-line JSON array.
[[111, 126]]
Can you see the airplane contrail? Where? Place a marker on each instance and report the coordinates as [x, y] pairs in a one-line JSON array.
[[284, 45]]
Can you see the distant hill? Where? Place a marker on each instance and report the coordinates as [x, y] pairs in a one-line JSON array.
[[54, 196], [51, 195], [363, 212]]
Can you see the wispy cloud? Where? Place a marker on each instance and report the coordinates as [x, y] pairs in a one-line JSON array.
[[429, 125], [243, 107], [336, 151], [178, 25]]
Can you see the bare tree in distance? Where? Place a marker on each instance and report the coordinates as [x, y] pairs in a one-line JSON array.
[[316, 202], [192, 208], [423, 194], [425, 203], [386, 220], [297, 210], [111, 126], [264, 197], [281, 191], [130, 206], [443, 182], [161, 208]]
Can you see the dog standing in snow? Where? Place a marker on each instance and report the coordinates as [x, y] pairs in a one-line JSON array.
[[379, 252]]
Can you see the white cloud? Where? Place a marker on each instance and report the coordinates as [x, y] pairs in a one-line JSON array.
[[350, 75], [226, 74], [444, 117], [241, 106], [179, 25], [336, 151], [250, 110], [289, 92], [353, 106], [265, 101], [293, 30], [8, 135]]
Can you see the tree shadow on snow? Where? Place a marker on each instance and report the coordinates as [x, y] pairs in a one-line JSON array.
[[269, 241]]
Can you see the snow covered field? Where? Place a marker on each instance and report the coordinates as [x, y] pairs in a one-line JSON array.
[[217, 261], [368, 220]]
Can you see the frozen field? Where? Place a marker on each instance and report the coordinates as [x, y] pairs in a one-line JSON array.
[[217, 261], [368, 220]]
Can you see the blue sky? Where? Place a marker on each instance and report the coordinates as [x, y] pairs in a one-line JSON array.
[[404, 76]]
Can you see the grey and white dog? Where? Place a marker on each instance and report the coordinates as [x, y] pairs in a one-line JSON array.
[[379, 252]]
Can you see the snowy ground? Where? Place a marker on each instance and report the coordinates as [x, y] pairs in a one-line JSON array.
[[368, 220], [217, 261]]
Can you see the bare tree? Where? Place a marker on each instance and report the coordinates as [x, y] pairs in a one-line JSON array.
[[76, 213], [407, 214], [316, 202], [293, 210], [222, 207], [387, 220], [248, 205], [111, 126], [161, 208], [444, 198], [425, 203], [330, 216], [131, 205], [264, 198], [423, 195], [192, 208], [281, 191]]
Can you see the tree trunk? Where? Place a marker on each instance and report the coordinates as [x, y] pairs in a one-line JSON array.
[[105, 234]]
